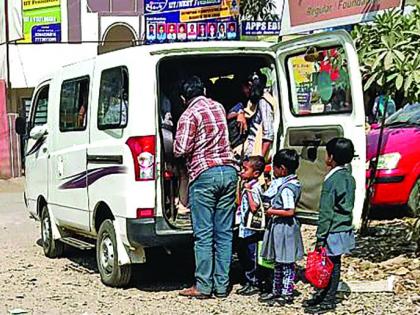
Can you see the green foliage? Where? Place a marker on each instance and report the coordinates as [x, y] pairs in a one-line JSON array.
[[389, 53], [258, 10]]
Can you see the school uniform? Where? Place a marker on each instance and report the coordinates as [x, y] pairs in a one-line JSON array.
[[282, 242], [248, 239], [335, 226], [335, 229]]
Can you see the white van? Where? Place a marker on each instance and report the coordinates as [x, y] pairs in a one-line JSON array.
[[96, 168]]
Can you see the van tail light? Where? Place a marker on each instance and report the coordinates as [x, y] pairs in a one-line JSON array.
[[145, 213], [143, 150]]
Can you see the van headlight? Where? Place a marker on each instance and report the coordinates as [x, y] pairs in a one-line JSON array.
[[387, 161]]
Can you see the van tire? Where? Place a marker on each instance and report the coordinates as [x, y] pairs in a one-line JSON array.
[[414, 200], [112, 274], [52, 248]]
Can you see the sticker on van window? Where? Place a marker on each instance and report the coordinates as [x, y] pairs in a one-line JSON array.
[[319, 82]]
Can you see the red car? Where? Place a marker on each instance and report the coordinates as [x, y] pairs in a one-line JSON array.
[[398, 176]]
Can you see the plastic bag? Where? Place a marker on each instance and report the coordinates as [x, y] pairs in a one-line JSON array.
[[319, 268]]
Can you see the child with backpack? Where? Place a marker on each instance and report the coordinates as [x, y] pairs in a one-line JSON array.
[[335, 230], [282, 241], [250, 203]]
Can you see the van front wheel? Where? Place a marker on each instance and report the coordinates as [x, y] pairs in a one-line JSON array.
[[111, 273], [52, 248]]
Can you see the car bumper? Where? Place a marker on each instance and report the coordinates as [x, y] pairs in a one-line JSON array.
[[155, 232], [391, 188]]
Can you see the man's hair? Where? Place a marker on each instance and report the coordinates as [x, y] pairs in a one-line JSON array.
[[257, 88], [192, 87], [257, 163], [287, 157], [341, 149]]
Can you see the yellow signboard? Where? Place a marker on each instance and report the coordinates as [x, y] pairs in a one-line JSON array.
[[302, 70], [38, 4]]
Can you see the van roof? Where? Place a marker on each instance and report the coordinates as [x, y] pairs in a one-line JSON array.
[[162, 48]]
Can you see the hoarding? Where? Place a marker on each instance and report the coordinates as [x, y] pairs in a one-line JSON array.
[[308, 15], [191, 20], [41, 21]]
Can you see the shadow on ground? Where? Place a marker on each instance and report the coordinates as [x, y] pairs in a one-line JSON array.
[[385, 240]]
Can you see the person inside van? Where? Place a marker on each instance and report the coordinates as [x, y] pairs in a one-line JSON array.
[[202, 138], [83, 102], [259, 117], [116, 113]]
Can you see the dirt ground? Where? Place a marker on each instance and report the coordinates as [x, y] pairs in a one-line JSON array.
[[71, 285]]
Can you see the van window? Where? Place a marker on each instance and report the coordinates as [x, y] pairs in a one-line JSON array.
[[40, 113], [319, 83], [113, 99], [74, 104]]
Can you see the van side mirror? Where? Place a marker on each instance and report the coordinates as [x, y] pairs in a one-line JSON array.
[[20, 126], [38, 132]]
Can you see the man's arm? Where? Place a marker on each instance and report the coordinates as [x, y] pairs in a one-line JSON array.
[[267, 114], [185, 134]]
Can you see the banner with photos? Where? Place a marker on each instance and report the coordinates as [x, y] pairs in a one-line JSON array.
[[180, 21]]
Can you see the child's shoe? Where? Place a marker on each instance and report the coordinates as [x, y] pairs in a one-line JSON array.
[[243, 288], [321, 308], [285, 299], [250, 290], [316, 299], [268, 298]]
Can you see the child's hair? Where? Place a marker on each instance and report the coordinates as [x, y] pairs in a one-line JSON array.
[[257, 163], [287, 157], [341, 149]]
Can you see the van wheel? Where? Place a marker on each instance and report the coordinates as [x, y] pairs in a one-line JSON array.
[[111, 273], [52, 248], [414, 200]]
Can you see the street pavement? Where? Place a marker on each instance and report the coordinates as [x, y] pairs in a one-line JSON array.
[[71, 285]]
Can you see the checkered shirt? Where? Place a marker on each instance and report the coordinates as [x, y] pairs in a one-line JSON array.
[[202, 137]]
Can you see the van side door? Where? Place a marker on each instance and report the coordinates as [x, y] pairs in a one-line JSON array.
[[322, 98], [68, 190], [36, 158]]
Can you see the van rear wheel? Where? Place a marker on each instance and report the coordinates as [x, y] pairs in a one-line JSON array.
[[112, 274], [52, 248]]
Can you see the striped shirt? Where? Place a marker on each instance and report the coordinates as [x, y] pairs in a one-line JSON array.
[[202, 137]]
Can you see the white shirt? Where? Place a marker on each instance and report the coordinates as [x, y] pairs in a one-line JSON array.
[[333, 171]]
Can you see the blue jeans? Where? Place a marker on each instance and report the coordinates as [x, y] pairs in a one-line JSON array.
[[212, 201]]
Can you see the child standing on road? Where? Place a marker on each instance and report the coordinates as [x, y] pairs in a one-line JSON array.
[[335, 230], [251, 193], [282, 239]]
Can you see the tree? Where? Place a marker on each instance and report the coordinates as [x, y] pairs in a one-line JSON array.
[[258, 10], [389, 54]]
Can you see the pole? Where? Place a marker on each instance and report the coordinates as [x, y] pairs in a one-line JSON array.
[[6, 20], [402, 6], [373, 169]]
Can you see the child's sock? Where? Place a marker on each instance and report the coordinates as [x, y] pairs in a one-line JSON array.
[[289, 274]]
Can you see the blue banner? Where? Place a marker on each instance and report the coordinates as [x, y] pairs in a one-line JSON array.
[[159, 6], [255, 28], [50, 33], [191, 20]]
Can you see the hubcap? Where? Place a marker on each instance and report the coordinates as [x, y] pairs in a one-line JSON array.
[[107, 254], [46, 231]]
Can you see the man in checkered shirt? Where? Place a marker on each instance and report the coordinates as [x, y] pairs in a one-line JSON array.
[[202, 138]]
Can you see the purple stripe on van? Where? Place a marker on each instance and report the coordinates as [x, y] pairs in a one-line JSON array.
[[85, 179]]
